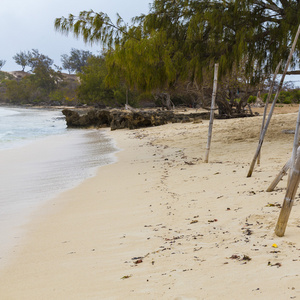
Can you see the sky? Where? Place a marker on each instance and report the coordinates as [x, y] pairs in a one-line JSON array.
[[29, 24]]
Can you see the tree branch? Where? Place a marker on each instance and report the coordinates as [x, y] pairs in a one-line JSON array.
[[270, 5]]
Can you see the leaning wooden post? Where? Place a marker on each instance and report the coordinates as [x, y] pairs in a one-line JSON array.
[[291, 161], [282, 172], [266, 106], [289, 198], [295, 145], [212, 112], [261, 139]]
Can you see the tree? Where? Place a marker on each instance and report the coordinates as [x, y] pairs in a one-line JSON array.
[[256, 30], [76, 60], [149, 66], [66, 63], [92, 87], [36, 58], [45, 78], [19, 92], [22, 59], [2, 63], [178, 41], [37, 86]]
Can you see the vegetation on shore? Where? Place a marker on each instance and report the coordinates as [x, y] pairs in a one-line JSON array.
[[166, 57]]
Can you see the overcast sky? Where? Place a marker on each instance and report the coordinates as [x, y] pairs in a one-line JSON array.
[[29, 24]]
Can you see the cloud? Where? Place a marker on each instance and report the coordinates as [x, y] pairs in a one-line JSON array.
[[28, 24]]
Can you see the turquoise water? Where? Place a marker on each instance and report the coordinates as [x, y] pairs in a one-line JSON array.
[[18, 125], [40, 158]]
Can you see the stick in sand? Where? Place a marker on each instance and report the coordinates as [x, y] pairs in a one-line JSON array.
[[266, 105], [289, 198], [212, 111], [282, 172], [295, 145], [291, 161], [261, 139]]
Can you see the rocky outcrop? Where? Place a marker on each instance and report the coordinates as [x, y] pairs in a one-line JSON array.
[[119, 119]]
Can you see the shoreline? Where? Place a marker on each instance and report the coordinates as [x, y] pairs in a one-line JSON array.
[[40, 170], [161, 224]]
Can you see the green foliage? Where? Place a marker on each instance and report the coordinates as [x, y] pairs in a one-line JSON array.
[[252, 99], [287, 100], [265, 96], [36, 59], [175, 46], [286, 97], [19, 92], [76, 60], [290, 96], [35, 90], [44, 86], [22, 58], [184, 37], [92, 87], [120, 95], [4, 76], [93, 27], [44, 78], [57, 96]]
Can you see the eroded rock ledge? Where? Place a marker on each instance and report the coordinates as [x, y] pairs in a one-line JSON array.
[[119, 119]]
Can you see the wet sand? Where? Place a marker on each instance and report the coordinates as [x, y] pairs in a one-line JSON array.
[[161, 224], [35, 172]]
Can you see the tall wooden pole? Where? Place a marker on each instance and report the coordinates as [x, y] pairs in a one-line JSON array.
[[289, 198], [212, 112], [266, 105], [261, 139]]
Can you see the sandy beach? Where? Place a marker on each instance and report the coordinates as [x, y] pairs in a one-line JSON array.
[[162, 224]]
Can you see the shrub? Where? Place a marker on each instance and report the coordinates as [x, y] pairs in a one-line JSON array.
[[265, 96], [287, 100], [252, 99]]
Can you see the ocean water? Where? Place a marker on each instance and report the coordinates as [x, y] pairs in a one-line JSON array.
[[19, 126], [39, 159]]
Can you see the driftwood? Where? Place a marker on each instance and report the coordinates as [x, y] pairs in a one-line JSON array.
[[212, 112]]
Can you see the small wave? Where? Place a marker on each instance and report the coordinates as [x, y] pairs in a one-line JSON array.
[[7, 112], [6, 134]]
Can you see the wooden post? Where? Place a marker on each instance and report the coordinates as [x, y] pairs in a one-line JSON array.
[[283, 171], [291, 161], [295, 145], [261, 139], [212, 111], [289, 198], [266, 106]]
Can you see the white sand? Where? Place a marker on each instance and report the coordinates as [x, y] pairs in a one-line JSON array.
[[192, 223]]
